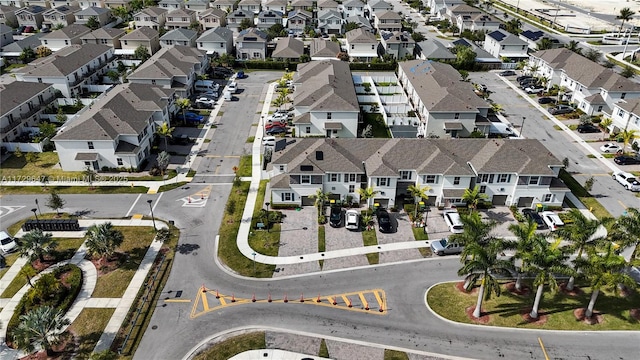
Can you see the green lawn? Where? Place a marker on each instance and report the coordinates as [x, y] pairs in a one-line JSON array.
[[16, 284], [506, 310], [379, 128], [136, 241], [8, 261], [419, 235], [88, 328], [262, 241], [321, 243], [324, 351], [369, 238], [229, 348], [19, 167], [172, 186], [244, 169], [22, 190], [585, 197], [395, 355]]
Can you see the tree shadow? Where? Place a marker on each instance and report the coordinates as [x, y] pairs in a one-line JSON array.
[[133, 258], [81, 213], [186, 249]]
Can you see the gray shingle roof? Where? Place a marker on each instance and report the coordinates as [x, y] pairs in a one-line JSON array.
[[141, 33], [360, 21], [179, 34], [17, 46], [506, 38], [216, 34], [388, 15], [630, 105], [329, 13], [325, 85], [169, 62], [64, 61], [105, 33], [153, 11], [360, 36], [17, 92], [289, 48], [68, 32], [252, 33], [434, 49], [93, 11], [324, 48]]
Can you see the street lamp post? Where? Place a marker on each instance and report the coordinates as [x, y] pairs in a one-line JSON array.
[[267, 205], [522, 126], [35, 212], [38, 206], [152, 217]]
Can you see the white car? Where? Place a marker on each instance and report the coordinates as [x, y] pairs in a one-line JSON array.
[[269, 141], [552, 220], [277, 116], [205, 102], [232, 87], [352, 220], [610, 148], [627, 180], [452, 218], [534, 90], [7, 243]]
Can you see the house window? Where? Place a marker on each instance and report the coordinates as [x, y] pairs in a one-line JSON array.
[[305, 179], [334, 177], [349, 177], [353, 47], [533, 180], [405, 175], [429, 179], [153, 81], [623, 95], [483, 189], [504, 178], [620, 112], [281, 167], [485, 178], [382, 182], [87, 163], [547, 197], [119, 161], [456, 116], [90, 144], [328, 116], [456, 180], [256, 54], [39, 80], [307, 129], [287, 197], [373, 47], [352, 188], [66, 42]]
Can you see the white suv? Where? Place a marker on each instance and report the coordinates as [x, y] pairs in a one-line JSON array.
[[452, 218], [627, 180], [552, 220]]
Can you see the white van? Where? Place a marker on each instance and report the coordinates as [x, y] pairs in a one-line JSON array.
[[206, 85], [232, 87], [269, 141], [227, 95]]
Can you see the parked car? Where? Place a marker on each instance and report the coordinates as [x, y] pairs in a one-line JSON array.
[[452, 218], [384, 221], [626, 160], [560, 109], [7, 243], [276, 130], [588, 128], [19, 30], [444, 247], [507, 73], [272, 124], [534, 89], [610, 148], [352, 221], [523, 77], [277, 116], [240, 75], [335, 216], [269, 141], [527, 80], [190, 117], [29, 29], [627, 180], [204, 103], [213, 94], [232, 87], [531, 214], [552, 220], [546, 100]]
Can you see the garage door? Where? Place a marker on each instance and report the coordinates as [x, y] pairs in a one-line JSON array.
[[308, 201], [525, 202], [499, 200], [384, 203]]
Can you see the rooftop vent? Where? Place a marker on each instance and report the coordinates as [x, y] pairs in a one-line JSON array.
[[319, 155]]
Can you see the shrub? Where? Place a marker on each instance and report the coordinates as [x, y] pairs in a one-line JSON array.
[[516, 214], [322, 219], [231, 206]]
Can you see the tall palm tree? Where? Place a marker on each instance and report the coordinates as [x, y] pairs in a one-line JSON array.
[[605, 124], [367, 194], [626, 231], [545, 44], [580, 233], [625, 15], [574, 46], [481, 262], [546, 260], [165, 131], [35, 245], [526, 237], [473, 197], [321, 199], [604, 271], [476, 230], [627, 137], [183, 104], [40, 328], [418, 193], [103, 239]]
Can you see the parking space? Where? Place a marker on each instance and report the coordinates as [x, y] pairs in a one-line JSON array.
[[403, 232], [437, 228], [298, 235], [341, 238]]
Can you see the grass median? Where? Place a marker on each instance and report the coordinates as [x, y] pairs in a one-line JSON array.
[[369, 238], [87, 329], [233, 346]]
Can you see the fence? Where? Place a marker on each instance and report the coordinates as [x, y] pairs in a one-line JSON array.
[[24, 147]]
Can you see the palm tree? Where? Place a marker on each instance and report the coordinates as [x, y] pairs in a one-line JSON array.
[[545, 44], [604, 271], [476, 230], [546, 260], [605, 124], [626, 230], [480, 263], [321, 199], [103, 239], [367, 219], [473, 197], [366, 194], [183, 104], [625, 15], [418, 193], [40, 328], [35, 245], [627, 136], [574, 46], [526, 237], [165, 132], [580, 233]]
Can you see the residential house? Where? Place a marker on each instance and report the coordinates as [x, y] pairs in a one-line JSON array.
[[432, 49], [13, 3], [625, 116], [32, 15], [330, 22], [112, 4], [179, 37], [235, 18], [399, 45], [101, 14], [351, 8], [446, 106], [197, 5], [306, 5], [174, 68], [521, 173], [117, 132], [153, 17], [251, 44], [56, 3], [297, 20], [506, 46], [484, 22], [591, 86], [361, 21], [323, 5], [533, 37], [483, 58], [277, 5], [439, 7], [268, 18], [20, 106], [374, 6], [68, 35], [6, 35], [85, 4], [321, 49], [386, 20], [325, 101], [288, 48], [226, 5], [14, 49], [104, 36], [8, 15], [42, 3], [69, 68], [462, 15], [361, 45], [216, 41], [171, 4], [62, 15], [212, 18], [180, 18], [250, 6], [143, 36]]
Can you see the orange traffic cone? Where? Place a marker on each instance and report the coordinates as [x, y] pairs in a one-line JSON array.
[[204, 289], [233, 298], [217, 295], [301, 297], [253, 298], [350, 305], [285, 298], [318, 299], [269, 298]]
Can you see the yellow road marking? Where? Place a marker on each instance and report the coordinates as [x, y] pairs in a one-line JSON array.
[[205, 302], [152, 191], [623, 205], [364, 301], [178, 300], [217, 170], [137, 216], [223, 302], [544, 351], [330, 299], [375, 293], [345, 299]]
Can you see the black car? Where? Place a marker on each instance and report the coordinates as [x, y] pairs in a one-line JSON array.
[[523, 77], [384, 221], [588, 128], [507, 73], [276, 130], [530, 214], [335, 216], [546, 100], [626, 160]]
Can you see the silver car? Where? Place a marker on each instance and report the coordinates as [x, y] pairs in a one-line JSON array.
[[352, 220], [444, 247]]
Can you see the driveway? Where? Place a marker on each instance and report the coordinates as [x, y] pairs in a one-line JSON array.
[[402, 225], [341, 238], [298, 235], [438, 229]]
